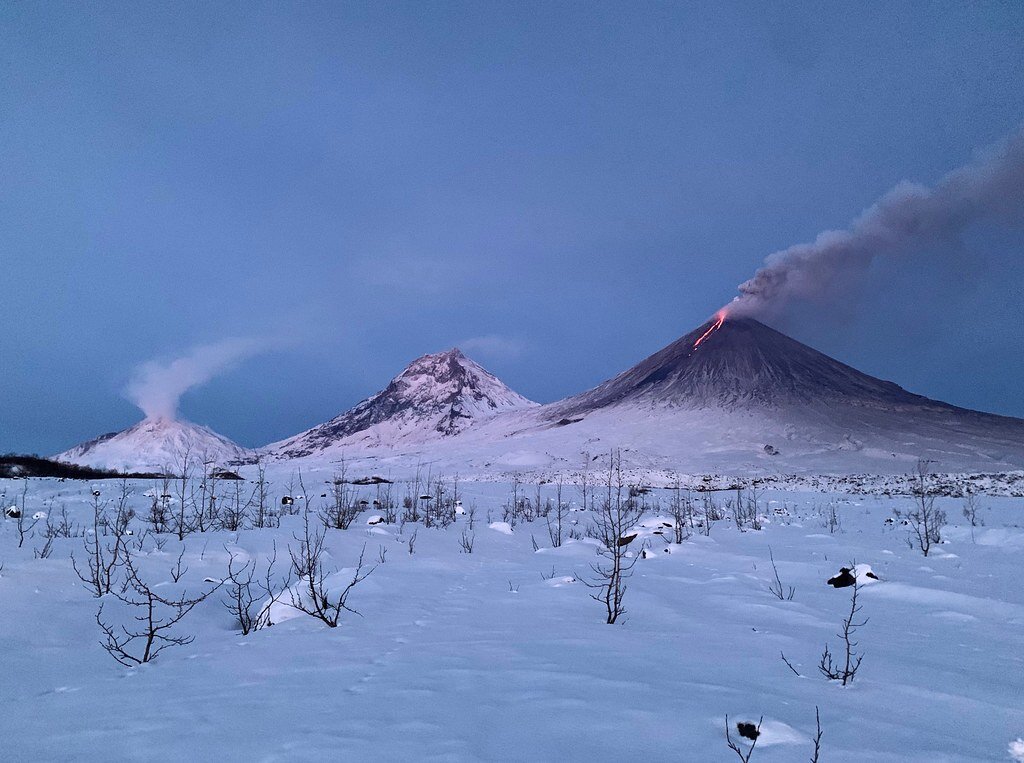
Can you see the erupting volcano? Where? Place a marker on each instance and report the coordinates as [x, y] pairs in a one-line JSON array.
[[720, 317], [736, 396], [741, 363], [733, 396], [157, 444]]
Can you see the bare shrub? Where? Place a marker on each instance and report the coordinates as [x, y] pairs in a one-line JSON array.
[[511, 510], [155, 617], [845, 670], [123, 512], [206, 511], [681, 508], [343, 506], [555, 515], [234, 510], [817, 736], [44, 551], [250, 598], [710, 513], [294, 498], [159, 516], [177, 571], [970, 512], [749, 731], [263, 512], [63, 526], [585, 482], [735, 745], [386, 504], [314, 596], [925, 519], [747, 512], [102, 558], [618, 514], [776, 588], [441, 509], [22, 523], [181, 520], [830, 518]]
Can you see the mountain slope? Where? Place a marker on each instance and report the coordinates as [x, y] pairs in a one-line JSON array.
[[436, 396], [732, 396], [740, 363], [155, 444]]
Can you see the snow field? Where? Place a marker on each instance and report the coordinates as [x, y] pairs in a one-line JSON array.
[[501, 654]]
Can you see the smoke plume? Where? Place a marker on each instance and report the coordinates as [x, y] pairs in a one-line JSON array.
[[157, 386], [909, 219]]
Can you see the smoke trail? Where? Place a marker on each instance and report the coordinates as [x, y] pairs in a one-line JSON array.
[[910, 218], [156, 387]]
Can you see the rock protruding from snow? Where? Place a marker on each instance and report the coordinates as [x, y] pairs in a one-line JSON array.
[[156, 445], [847, 576], [436, 396]]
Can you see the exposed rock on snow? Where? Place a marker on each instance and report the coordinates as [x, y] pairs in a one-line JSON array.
[[747, 730], [844, 579], [436, 396], [861, 574], [864, 574]]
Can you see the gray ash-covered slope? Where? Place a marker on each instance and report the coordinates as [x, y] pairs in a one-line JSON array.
[[436, 396], [742, 363], [727, 390]]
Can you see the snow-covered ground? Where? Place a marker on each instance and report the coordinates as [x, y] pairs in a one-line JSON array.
[[501, 654]]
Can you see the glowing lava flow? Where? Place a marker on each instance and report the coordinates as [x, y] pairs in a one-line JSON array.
[[719, 320]]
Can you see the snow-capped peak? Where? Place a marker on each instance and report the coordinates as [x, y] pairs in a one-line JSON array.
[[156, 444], [437, 395]]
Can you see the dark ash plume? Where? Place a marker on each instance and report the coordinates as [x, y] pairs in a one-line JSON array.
[[908, 219]]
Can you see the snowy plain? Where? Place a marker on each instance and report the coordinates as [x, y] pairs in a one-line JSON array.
[[501, 654]]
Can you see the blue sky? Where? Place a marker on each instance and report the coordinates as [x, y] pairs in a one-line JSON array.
[[561, 188]]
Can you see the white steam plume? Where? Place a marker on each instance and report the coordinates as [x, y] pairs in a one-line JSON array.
[[156, 386], [910, 218]]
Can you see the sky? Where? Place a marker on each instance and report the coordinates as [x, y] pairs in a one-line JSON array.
[[558, 188]]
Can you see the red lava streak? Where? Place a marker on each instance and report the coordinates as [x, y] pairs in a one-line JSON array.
[[719, 320]]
